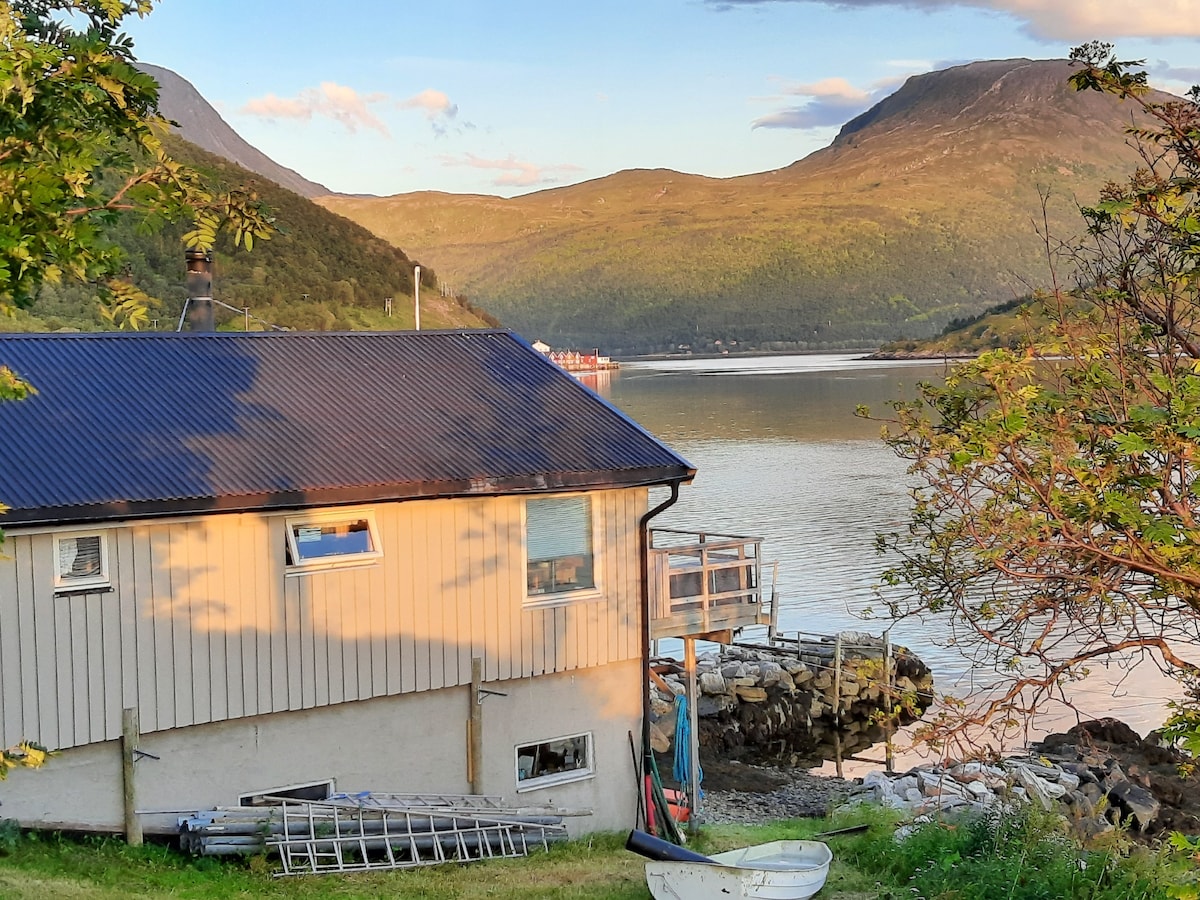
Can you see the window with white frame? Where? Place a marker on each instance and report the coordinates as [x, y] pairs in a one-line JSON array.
[[554, 761], [311, 790], [81, 561], [331, 539], [558, 546]]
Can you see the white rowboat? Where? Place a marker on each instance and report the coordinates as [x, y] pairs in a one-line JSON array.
[[780, 870]]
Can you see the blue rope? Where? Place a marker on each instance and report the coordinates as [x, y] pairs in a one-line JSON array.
[[682, 769]]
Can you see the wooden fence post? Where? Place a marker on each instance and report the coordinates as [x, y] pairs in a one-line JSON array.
[[475, 730], [129, 743]]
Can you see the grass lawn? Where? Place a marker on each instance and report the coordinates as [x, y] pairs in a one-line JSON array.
[[599, 867], [1021, 855]]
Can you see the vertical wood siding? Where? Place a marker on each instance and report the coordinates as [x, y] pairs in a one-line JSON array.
[[203, 624]]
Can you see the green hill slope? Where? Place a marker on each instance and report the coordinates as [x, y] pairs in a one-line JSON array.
[[320, 272], [924, 209]]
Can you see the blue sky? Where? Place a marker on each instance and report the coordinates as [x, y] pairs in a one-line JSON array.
[[510, 96]]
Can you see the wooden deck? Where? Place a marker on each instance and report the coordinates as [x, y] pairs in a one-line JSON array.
[[705, 585]]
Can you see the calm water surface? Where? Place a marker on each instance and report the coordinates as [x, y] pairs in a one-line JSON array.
[[781, 455]]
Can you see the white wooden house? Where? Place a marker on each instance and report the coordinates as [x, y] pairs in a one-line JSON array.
[[289, 552]]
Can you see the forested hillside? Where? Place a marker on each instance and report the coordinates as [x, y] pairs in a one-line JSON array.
[[924, 209], [319, 272]]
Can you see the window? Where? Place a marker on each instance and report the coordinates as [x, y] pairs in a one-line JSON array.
[[329, 539], [558, 545], [80, 561], [313, 790], [554, 761]]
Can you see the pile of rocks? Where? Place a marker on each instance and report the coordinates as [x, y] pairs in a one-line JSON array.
[[1093, 790], [1094, 802], [795, 706]]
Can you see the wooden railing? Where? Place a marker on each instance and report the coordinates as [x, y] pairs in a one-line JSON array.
[[704, 583]]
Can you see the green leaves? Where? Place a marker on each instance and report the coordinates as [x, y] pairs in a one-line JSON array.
[[13, 387], [1057, 518], [125, 307], [80, 145], [26, 754], [1131, 444]]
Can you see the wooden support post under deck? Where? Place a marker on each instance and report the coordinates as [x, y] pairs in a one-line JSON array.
[[889, 681], [773, 627], [837, 680], [693, 788], [129, 743], [837, 703], [475, 730]]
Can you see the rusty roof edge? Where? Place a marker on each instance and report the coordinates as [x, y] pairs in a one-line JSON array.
[[557, 482]]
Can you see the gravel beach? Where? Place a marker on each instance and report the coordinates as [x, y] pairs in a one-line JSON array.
[[746, 794]]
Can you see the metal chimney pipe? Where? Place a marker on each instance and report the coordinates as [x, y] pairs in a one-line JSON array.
[[199, 288]]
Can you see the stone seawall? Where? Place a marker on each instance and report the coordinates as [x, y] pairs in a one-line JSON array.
[[795, 704]]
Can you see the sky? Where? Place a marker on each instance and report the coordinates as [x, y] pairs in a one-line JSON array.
[[506, 97]]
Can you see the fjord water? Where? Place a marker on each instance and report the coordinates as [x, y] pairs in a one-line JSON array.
[[781, 455]]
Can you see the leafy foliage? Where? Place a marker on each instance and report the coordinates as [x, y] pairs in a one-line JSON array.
[[319, 271], [1056, 520], [81, 147], [26, 755]]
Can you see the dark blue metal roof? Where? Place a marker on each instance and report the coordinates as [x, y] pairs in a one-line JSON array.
[[168, 424]]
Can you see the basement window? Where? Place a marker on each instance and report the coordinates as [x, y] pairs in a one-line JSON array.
[[81, 561], [554, 762], [558, 546], [331, 539], [314, 791]]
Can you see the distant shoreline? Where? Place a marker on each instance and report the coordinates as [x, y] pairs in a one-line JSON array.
[[929, 355], [748, 354]]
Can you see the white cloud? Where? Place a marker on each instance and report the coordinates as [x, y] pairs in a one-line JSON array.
[[332, 101], [830, 101], [1051, 20], [434, 103], [834, 89]]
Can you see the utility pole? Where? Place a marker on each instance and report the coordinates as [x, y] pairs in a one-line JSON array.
[[417, 295]]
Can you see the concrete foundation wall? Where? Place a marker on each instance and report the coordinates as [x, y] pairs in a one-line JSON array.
[[412, 743]]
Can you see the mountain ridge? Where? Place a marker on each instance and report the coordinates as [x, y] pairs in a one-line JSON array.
[[198, 122], [924, 209]]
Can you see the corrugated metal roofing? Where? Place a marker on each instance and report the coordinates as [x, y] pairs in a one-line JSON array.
[[160, 424]]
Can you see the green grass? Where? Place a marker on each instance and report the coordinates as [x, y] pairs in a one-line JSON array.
[[1024, 857], [597, 867]]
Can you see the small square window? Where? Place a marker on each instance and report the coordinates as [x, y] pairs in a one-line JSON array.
[[325, 540], [554, 762], [558, 545], [312, 790], [80, 561]]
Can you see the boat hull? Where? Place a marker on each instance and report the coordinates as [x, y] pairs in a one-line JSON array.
[[780, 870]]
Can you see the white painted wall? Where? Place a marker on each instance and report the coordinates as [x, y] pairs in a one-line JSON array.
[[408, 743], [203, 623]]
